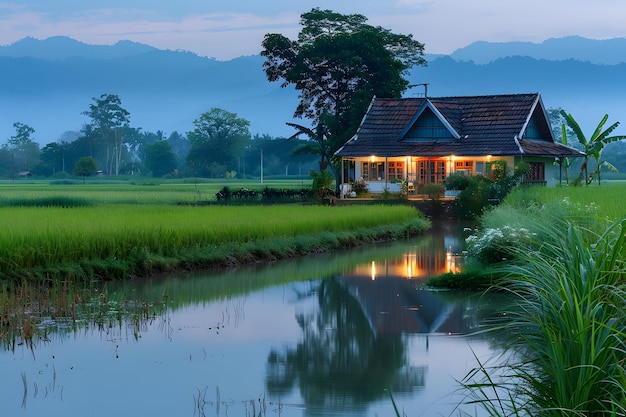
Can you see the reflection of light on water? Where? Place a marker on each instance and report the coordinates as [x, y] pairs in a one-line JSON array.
[[373, 270], [410, 261], [451, 261]]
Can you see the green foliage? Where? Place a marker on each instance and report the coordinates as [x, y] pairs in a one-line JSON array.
[[86, 167], [359, 186], [218, 141], [108, 128], [475, 197], [23, 150], [569, 334], [338, 63], [322, 185], [159, 158], [467, 279], [481, 192], [457, 181], [433, 191], [592, 146], [105, 240]]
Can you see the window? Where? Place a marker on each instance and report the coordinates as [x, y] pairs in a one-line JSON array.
[[373, 171], [480, 168], [464, 167], [396, 170], [536, 172]]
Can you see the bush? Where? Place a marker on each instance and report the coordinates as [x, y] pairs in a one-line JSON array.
[[322, 183], [457, 182], [433, 191], [492, 246]]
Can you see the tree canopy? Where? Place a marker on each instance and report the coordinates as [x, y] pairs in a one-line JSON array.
[[338, 64], [86, 167], [109, 123], [217, 142]]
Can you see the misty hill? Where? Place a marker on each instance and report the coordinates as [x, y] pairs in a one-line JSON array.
[[47, 84], [61, 47], [609, 51]]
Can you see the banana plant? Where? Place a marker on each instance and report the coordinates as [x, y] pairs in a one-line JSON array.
[[593, 146]]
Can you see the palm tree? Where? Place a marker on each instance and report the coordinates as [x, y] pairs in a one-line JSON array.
[[593, 146]]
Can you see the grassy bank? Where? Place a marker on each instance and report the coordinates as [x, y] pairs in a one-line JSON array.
[[562, 254], [121, 240]]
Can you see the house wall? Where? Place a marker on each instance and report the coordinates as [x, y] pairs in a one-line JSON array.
[[410, 167], [551, 169]]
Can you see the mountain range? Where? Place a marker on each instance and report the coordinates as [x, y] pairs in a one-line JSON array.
[[49, 83]]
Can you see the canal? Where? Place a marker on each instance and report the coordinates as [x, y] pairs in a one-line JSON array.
[[328, 335]]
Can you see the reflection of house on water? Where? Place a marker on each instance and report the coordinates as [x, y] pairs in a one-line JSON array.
[[390, 292]]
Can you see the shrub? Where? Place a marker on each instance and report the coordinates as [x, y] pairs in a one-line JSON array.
[[433, 191], [322, 183], [457, 182], [491, 246]]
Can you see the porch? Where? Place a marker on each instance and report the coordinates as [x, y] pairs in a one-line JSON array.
[[413, 177]]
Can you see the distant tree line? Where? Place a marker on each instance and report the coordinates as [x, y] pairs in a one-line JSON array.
[[219, 146]]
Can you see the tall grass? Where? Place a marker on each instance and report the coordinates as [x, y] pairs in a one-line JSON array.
[[568, 350]]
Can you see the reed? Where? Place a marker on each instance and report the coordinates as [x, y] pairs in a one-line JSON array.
[[567, 356]]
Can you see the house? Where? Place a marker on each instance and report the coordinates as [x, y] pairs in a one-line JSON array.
[[424, 140]]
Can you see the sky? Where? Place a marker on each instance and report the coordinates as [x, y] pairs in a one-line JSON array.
[[228, 29]]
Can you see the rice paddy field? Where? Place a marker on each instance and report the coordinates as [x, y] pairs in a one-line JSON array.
[[145, 191], [114, 231], [607, 201]]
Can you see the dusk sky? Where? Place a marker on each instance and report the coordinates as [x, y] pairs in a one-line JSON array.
[[228, 29]]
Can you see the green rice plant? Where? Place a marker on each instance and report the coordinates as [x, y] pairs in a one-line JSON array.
[[596, 202], [134, 191], [35, 237], [568, 344]]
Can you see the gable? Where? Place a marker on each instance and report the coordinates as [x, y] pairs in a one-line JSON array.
[[427, 126], [537, 126]]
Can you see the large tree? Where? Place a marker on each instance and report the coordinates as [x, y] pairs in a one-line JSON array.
[[338, 63], [217, 142], [86, 167], [109, 123], [24, 150], [159, 158]]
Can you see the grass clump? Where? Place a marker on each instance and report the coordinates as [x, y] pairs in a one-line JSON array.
[[567, 354]]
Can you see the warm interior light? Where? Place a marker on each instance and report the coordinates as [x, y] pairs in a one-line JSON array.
[[372, 158]]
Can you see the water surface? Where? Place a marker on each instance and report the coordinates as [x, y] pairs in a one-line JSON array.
[[321, 336]]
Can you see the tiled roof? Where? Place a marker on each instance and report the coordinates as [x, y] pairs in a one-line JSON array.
[[487, 125]]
